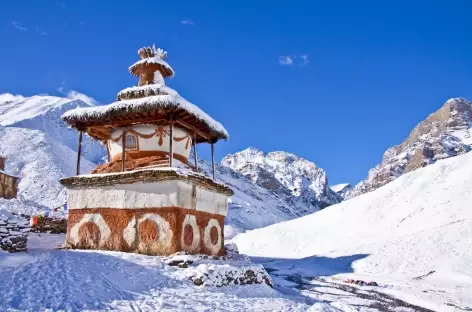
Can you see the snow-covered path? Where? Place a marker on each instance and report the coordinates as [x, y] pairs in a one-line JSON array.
[[323, 279]]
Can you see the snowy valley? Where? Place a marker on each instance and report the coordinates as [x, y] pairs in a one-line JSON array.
[[407, 226]]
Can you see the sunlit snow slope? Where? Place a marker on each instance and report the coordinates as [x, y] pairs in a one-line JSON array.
[[41, 149], [40, 161], [43, 112], [419, 223]]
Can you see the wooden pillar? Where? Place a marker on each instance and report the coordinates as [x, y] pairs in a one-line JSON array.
[[195, 151], [123, 149], [171, 141], [79, 151], [108, 150], [213, 159]]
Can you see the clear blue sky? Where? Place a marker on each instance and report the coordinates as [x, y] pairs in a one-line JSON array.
[[375, 68]]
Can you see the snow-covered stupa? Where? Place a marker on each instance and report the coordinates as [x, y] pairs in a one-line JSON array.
[[148, 197]]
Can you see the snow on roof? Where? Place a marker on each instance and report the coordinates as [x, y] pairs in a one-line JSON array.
[[143, 105], [143, 173], [148, 89], [178, 171], [9, 174], [152, 60]]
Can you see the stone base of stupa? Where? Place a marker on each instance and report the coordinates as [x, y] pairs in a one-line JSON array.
[[154, 212]]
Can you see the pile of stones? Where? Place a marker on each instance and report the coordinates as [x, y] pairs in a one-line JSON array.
[[14, 232], [231, 269]]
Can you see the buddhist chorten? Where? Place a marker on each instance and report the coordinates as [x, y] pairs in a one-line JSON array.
[[148, 197]]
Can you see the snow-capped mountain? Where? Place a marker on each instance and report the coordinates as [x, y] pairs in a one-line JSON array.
[[252, 206], [43, 112], [445, 133], [296, 180], [40, 160], [41, 149], [341, 189]]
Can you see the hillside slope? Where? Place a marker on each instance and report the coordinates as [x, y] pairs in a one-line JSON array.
[[418, 225], [43, 112], [40, 161]]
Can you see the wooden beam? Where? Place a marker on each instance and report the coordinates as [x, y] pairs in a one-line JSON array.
[[171, 141], [79, 151], [213, 159], [195, 151], [123, 147], [194, 129]]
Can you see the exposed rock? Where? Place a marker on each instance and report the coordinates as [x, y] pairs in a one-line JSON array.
[[224, 275], [232, 269], [445, 133], [180, 263], [198, 281]]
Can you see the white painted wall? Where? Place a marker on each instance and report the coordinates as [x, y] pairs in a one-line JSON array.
[[152, 144], [148, 195], [158, 79]]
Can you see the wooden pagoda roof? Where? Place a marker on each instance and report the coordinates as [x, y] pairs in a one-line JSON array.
[[100, 121]]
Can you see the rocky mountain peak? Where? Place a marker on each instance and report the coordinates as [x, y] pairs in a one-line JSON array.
[[286, 174], [443, 134]]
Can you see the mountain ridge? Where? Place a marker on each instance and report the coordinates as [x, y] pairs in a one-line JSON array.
[[294, 177], [444, 133]]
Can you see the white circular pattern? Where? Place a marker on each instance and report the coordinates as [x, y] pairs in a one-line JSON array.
[[192, 221], [165, 234], [214, 248], [98, 220], [129, 233]]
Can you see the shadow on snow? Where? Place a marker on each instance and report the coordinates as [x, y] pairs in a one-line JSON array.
[[310, 266]]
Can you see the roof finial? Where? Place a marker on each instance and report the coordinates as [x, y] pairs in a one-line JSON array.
[[147, 52]]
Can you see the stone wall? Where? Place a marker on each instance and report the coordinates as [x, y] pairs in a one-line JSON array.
[[13, 232]]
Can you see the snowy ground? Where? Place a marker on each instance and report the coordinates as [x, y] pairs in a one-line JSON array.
[[413, 236], [60, 280], [45, 279]]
